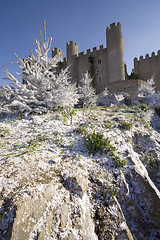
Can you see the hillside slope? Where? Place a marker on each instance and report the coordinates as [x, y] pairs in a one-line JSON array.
[[95, 177]]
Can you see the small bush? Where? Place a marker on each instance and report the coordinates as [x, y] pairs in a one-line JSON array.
[[151, 159], [3, 131], [108, 124], [125, 125], [96, 142], [119, 162], [81, 129], [144, 107]]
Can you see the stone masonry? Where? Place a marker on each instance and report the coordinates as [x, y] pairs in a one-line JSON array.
[[145, 68], [106, 65]]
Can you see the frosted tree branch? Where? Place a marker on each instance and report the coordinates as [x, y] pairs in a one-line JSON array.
[[86, 92], [43, 88], [147, 89]]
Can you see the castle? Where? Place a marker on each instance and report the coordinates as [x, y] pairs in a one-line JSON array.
[[145, 68], [107, 66]]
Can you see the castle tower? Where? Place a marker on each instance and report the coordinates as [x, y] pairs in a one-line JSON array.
[[72, 56], [55, 52], [72, 50], [115, 56]]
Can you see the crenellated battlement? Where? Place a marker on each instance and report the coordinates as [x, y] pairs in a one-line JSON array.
[[147, 56], [146, 67], [81, 54], [57, 51], [101, 47], [72, 50], [88, 52], [72, 43], [106, 64], [113, 26]]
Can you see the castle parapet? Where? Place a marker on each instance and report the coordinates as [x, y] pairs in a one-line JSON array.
[[113, 26], [81, 54], [101, 47], [72, 50], [153, 55], [57, 51]]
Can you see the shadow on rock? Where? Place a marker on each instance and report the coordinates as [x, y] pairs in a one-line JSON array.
[[72, 186], [155, 122], [7, 215]]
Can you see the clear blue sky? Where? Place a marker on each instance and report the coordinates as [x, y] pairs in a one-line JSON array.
[[82, 21]]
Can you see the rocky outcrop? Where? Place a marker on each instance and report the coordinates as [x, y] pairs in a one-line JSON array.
[[68, 213]]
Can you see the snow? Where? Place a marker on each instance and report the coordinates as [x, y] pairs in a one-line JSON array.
[[43, 141], [34, 148]]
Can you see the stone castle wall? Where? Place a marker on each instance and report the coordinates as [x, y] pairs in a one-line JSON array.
[[127, 86], [105, 64], [145, 68]]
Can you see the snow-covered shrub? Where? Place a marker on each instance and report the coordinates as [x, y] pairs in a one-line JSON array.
[[87, 94], [149, 88], [43, 89], [101, 101], [106, 98]]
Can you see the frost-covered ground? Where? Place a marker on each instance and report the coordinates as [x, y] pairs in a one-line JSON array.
[[49, 181]]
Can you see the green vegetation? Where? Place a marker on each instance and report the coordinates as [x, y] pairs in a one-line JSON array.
[[20, 116], [66, 114], [112, 190], [3, 131], [125, 125], [81, 129], [2, 213], [108, 124], [151, 159], [119, 162], [96, 142], [144, 107], [42, 138]]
